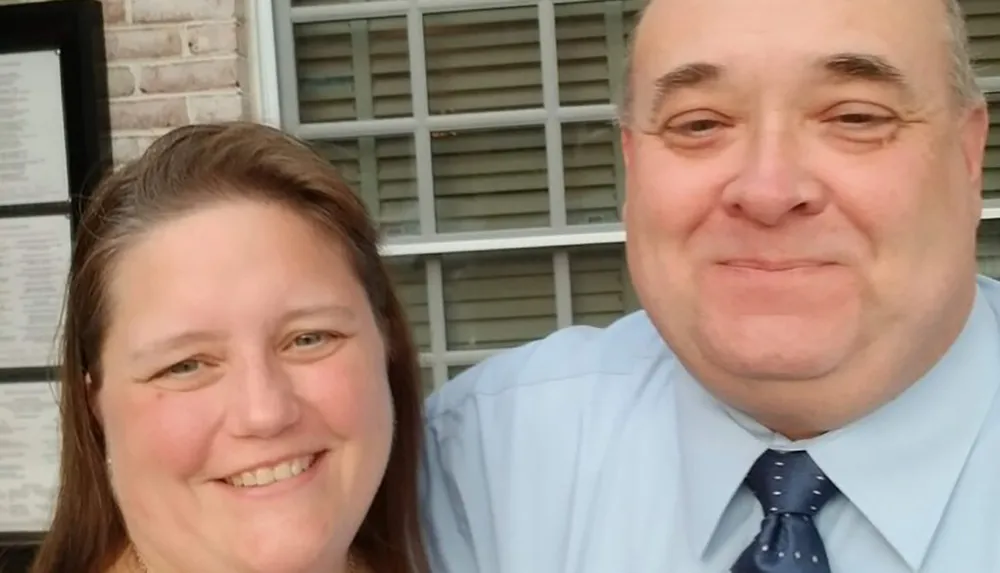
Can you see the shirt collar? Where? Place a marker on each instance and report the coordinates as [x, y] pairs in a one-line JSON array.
[[716, 453], [915, 445]]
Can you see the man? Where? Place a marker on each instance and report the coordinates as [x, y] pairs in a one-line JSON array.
[[813, 385]]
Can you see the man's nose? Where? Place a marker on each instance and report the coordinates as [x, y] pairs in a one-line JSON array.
[[773, 183], [263, 399]]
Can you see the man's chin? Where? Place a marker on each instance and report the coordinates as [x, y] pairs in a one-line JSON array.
[[776, 348], [774, 368]]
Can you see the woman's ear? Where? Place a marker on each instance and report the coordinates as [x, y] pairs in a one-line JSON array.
[[92, 401]]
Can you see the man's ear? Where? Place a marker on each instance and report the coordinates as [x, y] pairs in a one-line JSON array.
[[628, 150], [975, 131], [627, 143]]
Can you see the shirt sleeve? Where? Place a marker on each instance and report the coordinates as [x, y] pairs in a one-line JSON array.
[[501, 458], [457, 513]]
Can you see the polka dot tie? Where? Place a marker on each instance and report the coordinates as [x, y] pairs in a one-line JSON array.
[[792, 489]]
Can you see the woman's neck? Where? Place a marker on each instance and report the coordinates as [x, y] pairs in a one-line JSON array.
[[131, 561]]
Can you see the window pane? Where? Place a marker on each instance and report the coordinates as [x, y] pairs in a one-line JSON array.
[[427, 380], [602, 290], [454, 371], [630, 16], [989, 248], [983, 23], [991, 163], [483, 60], [490, 179], [498, 300], [321, 2], [411, 287], [594, 174], [382, 171], [582, 46], [355, 69], [591, 40]]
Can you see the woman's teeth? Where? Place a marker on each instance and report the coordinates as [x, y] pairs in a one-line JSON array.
[[268, 475]]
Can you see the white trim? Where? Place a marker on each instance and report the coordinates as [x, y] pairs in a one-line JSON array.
[[423, 158], [432, 6], [454, 122], [989, 84], [262, 63], [514, 239], [437, 319], [349, 11], [347, 129], [555, 171], [459, 357], [384, 8], [468, 357], [991, 209], [562, 278], [287, 66], [505, 240]]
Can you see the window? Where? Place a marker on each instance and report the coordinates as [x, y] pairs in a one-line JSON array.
[[989, 247], [479, 134], [989, 228]]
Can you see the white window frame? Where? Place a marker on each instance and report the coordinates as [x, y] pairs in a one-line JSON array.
[[275, 102]]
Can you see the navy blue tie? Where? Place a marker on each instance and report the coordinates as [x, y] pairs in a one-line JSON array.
[[792, 489]]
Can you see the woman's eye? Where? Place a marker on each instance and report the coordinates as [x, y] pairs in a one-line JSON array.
[[311, 339], [184, 368]]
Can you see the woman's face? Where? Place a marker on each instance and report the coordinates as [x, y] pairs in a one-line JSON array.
[[245, 400]]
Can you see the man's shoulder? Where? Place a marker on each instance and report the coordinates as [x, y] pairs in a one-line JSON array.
[[577, 355], [990, 288]]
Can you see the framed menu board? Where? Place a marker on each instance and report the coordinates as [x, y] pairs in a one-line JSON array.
[[54, 144]]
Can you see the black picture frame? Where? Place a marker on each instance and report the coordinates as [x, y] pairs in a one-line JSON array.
[[75, 29], [17, 558]]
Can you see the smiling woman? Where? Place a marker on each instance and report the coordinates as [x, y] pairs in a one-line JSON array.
[[240, 389]]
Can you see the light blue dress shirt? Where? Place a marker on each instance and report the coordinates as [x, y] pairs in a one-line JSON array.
[[593, 451]]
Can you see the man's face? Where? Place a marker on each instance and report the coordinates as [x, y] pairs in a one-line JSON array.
[[803, 193]]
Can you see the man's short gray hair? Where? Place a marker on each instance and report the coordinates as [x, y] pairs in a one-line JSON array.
[[963, 75]]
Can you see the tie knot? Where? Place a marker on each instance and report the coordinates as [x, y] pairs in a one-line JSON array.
[[789, 482]]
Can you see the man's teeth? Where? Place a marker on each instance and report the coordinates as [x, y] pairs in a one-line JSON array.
[[265, 476]]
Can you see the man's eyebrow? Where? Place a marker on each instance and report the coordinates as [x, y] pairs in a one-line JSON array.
[[845, 66], [864, 67], [682, 77]]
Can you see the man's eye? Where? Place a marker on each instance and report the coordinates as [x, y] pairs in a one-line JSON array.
[[696, 127], [862, 119], [702, 125]]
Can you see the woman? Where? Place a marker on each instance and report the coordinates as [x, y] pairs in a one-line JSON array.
[[240, 391]]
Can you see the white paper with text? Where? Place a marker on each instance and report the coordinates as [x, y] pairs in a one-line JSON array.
[[29, 455], [34, 263], [33, 164]]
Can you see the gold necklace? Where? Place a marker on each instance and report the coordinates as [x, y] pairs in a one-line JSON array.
[[139, 563]]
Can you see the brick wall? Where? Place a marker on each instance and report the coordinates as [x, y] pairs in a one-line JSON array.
[[170, 63]]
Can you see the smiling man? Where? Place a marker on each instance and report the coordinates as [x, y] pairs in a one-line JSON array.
[[813, 385]]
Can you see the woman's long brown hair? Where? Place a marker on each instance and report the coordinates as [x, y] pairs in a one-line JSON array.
[[182, 172]]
